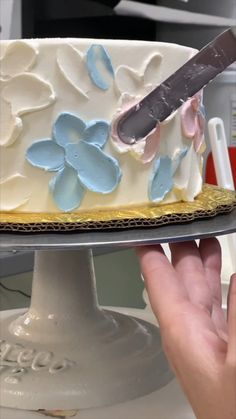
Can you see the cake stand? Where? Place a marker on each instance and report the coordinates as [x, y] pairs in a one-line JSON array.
[[66, 352]]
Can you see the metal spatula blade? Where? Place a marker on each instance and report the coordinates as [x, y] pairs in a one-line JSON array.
[[196, 73]]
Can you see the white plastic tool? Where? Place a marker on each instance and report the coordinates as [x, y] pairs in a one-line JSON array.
[[223, 169]]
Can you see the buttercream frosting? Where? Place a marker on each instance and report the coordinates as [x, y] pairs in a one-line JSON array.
[[132, 86], [18, 58], [21, 91], [14, 192], [99, 66], [71, 63], [161, 181], [62, 100], [66, 189], [27, 93], [188, 177], [75, 152], [96, 171], [22, 94], [193, 121], [11, 125]]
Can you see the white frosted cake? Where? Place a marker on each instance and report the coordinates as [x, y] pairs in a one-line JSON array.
[[60, 151]]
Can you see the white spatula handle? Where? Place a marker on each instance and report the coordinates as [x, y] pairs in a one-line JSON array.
[[223, 169], [220, 153]]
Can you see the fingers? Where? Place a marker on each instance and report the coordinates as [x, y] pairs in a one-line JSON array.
[[163, 287], [187, 261], [231, 354], [210, 252]]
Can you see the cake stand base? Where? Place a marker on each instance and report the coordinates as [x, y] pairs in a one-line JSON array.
[[67, 353]]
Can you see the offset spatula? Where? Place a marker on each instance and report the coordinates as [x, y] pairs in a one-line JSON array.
[[142, 118]]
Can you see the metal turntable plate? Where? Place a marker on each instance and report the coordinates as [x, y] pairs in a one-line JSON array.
[[203, 228]]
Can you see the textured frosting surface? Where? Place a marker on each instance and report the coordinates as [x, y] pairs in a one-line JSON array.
[[61, 100]]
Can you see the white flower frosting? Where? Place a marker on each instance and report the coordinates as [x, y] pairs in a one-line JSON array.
[[133, 86], [18, 58], [84, 71], [15, 191], [21, 91], [11, 125], [72, 66]]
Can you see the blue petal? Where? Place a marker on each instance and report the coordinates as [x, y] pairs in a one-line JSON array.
[[161, 182], [97, 171], [178, 159], [68, 128], [46, 154], [66, 189], [97, 133], [97, 54]]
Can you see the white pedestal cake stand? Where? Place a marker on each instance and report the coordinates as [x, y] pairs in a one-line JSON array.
[[67, 353]]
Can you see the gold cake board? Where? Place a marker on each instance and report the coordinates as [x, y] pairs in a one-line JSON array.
[[209, 203]]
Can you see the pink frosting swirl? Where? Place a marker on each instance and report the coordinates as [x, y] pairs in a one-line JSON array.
[[146, 149], [193, 120]]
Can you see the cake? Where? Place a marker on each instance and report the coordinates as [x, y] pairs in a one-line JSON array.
[[61, 100]]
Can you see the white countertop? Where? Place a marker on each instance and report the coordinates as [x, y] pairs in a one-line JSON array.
[[167, 403]]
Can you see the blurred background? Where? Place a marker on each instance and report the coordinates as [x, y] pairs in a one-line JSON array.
[[188, 22]]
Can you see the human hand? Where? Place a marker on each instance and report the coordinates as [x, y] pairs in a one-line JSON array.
[[199, 343]]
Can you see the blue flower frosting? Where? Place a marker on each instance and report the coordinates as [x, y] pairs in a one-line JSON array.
[[161, 181], [100, 74], [75, 152]]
